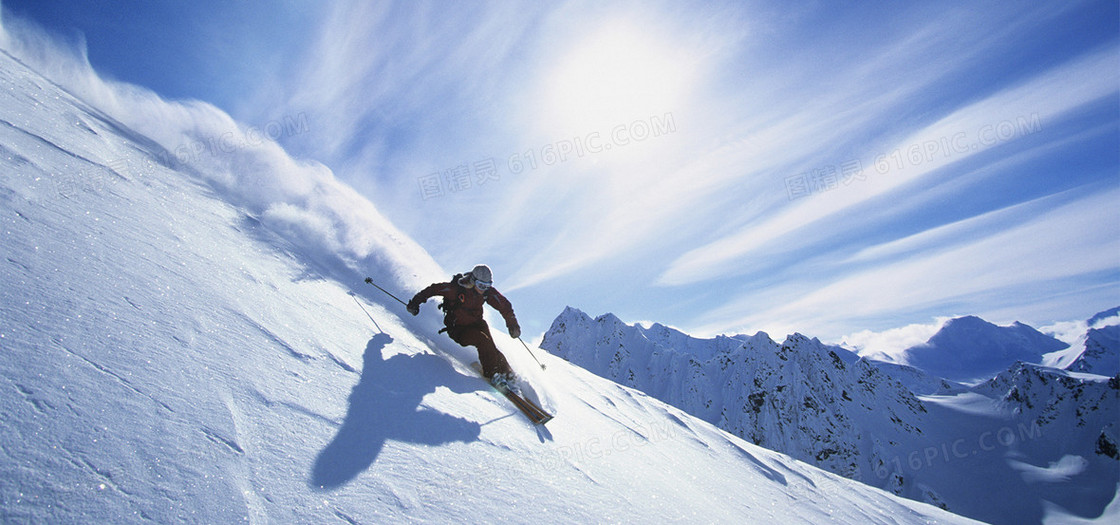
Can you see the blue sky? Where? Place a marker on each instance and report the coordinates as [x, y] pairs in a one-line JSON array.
[[722, 167]]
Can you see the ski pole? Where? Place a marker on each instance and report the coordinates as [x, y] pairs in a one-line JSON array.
[[531, 353], [370, 281]]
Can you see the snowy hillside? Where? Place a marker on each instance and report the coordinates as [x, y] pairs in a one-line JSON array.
[[186, 339], [916, 380], [1007, 440]]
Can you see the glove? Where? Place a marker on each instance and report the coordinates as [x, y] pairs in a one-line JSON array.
[[413, 308], [515, 331]]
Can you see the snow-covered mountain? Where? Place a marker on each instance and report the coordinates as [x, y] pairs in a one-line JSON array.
[[1106, 318], [1073, 409], [962, 450], [1101, 352], [971, 349], [1097, 351], [185, 338], [917, 380], [800, 397]]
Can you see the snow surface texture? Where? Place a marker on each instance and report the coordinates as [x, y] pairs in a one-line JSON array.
[[1034, 444], [172, 353]]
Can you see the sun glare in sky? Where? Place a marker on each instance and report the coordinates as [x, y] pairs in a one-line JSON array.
[[611, 77]]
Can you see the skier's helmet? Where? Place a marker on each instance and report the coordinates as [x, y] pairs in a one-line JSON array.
[[482, 277]]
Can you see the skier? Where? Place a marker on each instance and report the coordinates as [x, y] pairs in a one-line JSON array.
[[463, 297]]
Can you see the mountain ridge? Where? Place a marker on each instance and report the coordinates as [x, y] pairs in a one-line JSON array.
[[863, 419]]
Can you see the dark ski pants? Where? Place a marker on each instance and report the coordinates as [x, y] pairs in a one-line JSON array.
[[478, 336]]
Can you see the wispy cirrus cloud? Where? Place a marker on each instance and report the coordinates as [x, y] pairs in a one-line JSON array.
[[741, 138], [1001, 118], [1042, 256]]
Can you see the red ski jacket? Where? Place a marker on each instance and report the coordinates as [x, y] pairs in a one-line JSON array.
[[466, 304]]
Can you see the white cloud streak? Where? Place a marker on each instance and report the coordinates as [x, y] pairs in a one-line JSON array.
[[970, 130], [890, 345], [1075, 239]]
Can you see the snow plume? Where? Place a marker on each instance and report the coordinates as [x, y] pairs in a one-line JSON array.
[[300, 200], [891, 345]]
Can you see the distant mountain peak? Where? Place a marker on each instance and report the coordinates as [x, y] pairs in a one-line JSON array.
[[1101, 316], [969, 348], [1101, 352]]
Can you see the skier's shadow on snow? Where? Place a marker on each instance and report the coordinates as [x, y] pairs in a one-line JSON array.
[[385, 404]]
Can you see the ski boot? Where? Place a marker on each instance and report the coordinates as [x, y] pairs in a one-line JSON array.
[[505, 382]]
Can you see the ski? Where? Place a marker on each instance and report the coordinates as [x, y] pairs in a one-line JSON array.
[[536, 414]]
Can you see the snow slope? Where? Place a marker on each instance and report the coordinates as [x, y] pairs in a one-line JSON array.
[[191, 341], [1032, 445]]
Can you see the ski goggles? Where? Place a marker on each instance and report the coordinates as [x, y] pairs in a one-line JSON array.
[[482, 285]]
